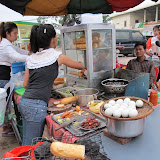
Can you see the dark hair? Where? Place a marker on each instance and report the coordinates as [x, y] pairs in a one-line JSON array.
[[6, 27], [156, 27], [140, 44], [41, 36]]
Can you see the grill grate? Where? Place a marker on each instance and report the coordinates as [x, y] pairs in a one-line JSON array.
[[40, 148]]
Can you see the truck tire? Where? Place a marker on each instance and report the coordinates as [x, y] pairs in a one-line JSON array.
[[125, 54], [134, 53]]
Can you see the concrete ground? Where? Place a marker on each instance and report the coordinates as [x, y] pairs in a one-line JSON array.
[[8, 143]]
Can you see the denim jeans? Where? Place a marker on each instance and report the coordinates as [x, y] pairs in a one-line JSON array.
[[3, 83], [33, 114]]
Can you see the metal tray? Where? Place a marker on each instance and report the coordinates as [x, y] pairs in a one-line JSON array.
[[76, 129]]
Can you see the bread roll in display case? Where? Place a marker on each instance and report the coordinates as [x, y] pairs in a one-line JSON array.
[[92, 44]]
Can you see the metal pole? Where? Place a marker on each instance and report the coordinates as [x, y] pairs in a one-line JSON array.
[[145, 15], [156, 17]]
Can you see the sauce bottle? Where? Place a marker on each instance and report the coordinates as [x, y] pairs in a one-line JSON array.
[[154, 97], [159, 85]]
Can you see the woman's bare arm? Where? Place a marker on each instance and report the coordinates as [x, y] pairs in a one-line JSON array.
[[26, 78], [63, 59]]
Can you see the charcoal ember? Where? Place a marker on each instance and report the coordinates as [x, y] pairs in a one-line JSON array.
[[99, 156], [90, 146], [43, 151]]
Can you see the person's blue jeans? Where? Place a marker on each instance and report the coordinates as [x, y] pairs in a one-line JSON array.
[[3, 83], [33, 114]]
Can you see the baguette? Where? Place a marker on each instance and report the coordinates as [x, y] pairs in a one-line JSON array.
[[68, 151], [68, 100], [80, 74], [60, 79], [58, 82]]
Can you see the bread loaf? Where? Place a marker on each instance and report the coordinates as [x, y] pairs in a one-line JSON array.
[[80, 74], [58, 82], [60, 79], [68, 151], [79, 41], [68, 100]]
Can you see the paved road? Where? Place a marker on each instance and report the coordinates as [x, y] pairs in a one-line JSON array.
[[124, 60]]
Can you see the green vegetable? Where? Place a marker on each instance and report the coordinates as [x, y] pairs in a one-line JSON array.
[[66, 91]]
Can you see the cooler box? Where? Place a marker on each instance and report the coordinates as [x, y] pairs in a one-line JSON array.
[[18, 67]]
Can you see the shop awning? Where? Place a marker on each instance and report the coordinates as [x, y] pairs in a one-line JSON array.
[[61, 7]]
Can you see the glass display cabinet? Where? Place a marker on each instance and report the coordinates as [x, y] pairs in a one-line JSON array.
[[92, 44]]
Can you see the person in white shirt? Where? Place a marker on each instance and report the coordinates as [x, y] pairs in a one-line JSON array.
[[9, 54], [155, 48]]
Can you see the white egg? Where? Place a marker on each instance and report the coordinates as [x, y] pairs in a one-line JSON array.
[[117, 113], [127, 100], [114, 107], [133, 113], [139, 103], [121, 109], [119, 101], [117, 105], [132, 103], [107, 105], [124, 105], [112, 102], [132, 106], [125, 113], [109, 112]]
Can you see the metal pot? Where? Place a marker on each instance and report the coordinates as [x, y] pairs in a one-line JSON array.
[[114, 85], [125, 129], [86, 95]]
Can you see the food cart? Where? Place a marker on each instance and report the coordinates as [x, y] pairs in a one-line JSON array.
[[97, 144]]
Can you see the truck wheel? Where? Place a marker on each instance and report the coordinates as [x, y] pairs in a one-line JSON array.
[[134, 53], [125, 54]]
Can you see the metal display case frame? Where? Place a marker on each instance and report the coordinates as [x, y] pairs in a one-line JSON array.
[[91, 75]]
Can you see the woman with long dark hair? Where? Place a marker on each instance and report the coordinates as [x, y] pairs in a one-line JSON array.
[[42, 70], [8, 54]]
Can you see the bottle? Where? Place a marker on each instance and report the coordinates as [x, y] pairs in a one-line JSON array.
[[154, 97], [158, 97], [159, 85]]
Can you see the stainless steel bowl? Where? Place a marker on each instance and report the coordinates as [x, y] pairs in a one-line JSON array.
[[86, 95], [114, 85]]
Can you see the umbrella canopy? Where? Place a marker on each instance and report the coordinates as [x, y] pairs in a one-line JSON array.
[[62, 7]]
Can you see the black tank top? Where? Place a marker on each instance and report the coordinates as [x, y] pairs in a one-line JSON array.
[[40, 82]]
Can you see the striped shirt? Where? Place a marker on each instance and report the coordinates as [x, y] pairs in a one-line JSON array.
[[146, 66]]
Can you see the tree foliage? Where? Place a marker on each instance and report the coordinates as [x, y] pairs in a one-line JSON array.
[[67, 19]]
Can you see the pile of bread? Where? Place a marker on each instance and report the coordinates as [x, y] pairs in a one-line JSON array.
[[80, 43]]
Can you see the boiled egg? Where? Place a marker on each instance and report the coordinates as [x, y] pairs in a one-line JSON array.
[[119, 101], [117, 113], [108, 112], [132, 103], [127, 100], [139, 103], [133, 113], [112, 102], [125, 113], [107, 105]]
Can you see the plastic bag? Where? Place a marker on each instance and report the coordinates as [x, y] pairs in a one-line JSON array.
[[18, 79]]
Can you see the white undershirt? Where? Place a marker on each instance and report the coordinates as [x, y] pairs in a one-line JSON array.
[[153, 41], [10, 53]]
